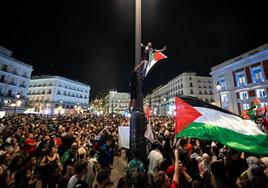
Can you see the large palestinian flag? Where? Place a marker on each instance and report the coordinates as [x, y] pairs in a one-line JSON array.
[[198, 119]]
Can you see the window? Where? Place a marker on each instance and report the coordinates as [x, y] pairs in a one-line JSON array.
[[260, 93], [192, 92], [4, 67], [210, 92], [191, 84], [224, 98], [222, 82], [245, 106], [243, 95], [190, 78], [2, 79], [241, 79], [257, 75], [200, 92]]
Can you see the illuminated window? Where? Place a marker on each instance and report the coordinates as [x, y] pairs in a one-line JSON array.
[[222, 82], [224, 98], [260, 93], [241, 79], [243, 95], [245, 106], [257, 75]]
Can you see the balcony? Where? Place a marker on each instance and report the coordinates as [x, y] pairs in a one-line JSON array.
[[24, 75], [10, 83], [23, 85], [14, 72], [4, 69]]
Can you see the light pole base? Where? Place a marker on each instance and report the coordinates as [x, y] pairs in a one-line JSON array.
[[137, 139]]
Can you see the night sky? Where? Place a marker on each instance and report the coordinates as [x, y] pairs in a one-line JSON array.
[[93, 41]]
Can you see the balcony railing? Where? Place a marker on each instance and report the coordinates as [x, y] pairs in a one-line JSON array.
[[23, 85], [25, 76]]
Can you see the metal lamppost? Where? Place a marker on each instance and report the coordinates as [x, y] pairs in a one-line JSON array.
[[60, 106], [78, 108], [219, 87], [165, 106], [112, 92], [138, 120], [17, 98]]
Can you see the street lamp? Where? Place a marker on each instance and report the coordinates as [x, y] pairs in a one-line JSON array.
[[112, 92], [17, 98], [218, 87], [77, 108], [60, 108]]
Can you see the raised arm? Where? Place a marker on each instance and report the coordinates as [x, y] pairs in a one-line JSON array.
[[176, 176], [163, 49], [139, 65]]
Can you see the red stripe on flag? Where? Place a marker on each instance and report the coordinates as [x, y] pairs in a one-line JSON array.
[[147, 112], [185, 115], [159, 56], [245, 114]]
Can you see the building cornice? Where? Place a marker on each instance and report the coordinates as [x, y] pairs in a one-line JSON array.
[[16, 61], [252, 56], [45, 77]]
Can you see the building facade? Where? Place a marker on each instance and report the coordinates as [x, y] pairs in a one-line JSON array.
[[116, 102], [162, 99], [241, 80], [14, 81], [56, 94]]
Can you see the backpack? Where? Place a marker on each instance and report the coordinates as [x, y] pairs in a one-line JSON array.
[[134, 173]]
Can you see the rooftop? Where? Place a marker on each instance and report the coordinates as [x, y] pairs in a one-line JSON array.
[[7, 54], [58, 77], [241, 57]]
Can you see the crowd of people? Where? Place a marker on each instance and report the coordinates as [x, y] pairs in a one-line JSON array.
[[62, 151], [202, 163], [78, 151]]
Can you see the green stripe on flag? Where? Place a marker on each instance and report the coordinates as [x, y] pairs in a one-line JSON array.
[[152, 56], [257, 144]]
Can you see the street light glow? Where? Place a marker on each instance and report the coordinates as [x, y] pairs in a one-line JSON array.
[[218, 86]]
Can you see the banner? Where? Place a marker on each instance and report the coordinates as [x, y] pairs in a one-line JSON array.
[[123, 136], [2, 114]]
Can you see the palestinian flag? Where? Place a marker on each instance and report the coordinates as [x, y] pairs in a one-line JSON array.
[[245, 114], [156, 56], [256, 102], [198, 119], [147, 112]]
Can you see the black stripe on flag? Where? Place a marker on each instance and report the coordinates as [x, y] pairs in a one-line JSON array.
[[195, 102]]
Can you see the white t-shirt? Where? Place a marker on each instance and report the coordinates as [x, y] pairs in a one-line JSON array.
[[72, 181], [155, 157]]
